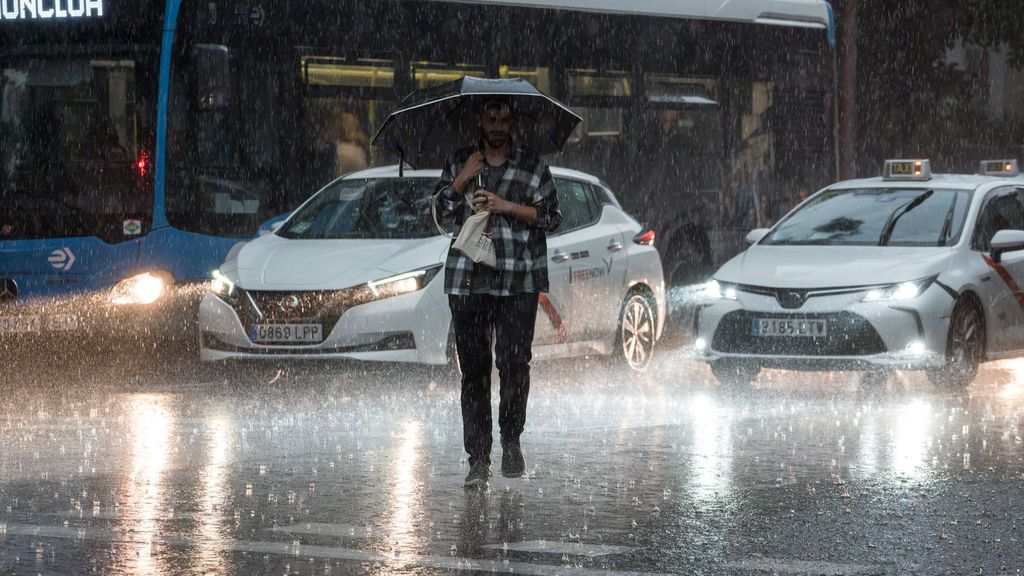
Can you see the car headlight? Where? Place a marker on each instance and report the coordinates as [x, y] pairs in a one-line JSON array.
[[898, 291], [222, 286], [715, 290], [144, 288], [402, 283]]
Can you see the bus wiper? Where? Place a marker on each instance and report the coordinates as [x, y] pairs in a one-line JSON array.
[[890, 224], [947, 224]]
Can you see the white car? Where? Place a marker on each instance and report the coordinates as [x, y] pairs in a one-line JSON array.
[[357, 272], [909, 271]]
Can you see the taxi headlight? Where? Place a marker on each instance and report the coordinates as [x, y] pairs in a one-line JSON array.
[[898, 291], [222, 286], [144, 288], [715, 290], [402, 283]]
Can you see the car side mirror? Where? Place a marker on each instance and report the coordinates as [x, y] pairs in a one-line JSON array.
[[755, 235], [211, 75], [274, 224], [1006, 241]]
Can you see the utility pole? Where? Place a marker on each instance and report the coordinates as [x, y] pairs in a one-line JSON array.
[[847, 88]]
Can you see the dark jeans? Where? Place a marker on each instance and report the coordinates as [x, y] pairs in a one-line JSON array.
[[510, 319]]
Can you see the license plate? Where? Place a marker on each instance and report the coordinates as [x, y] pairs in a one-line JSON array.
[[19, 324], [62, 323], [785, 327], [285, 333]]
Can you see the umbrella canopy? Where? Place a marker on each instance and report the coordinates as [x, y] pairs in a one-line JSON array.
[[432, 123]]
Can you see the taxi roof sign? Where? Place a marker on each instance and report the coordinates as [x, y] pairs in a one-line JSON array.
[[916, 169], [998, 168]]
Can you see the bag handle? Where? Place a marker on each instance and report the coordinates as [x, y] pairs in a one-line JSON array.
[[433, 213]]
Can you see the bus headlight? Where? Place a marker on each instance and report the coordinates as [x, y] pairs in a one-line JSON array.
[[144, 288]]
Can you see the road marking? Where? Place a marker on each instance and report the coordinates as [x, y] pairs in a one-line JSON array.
[[571, 548], [311, 551], [778, 566], [322, 529]]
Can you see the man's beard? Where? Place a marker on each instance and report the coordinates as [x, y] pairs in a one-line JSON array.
[[495, 141]]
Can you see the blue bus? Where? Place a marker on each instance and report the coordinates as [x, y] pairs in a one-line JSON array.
[[140, 141]]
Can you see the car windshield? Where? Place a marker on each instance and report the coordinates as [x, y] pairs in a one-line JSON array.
[[876, 216], [381, 208]]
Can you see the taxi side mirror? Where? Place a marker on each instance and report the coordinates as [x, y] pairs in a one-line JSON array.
[[1006, 241], [755, 235]]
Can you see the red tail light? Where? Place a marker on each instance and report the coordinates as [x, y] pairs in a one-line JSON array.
[[141, 165], [645, 238]]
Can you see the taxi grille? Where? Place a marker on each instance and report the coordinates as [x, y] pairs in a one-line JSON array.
[[848, 334]]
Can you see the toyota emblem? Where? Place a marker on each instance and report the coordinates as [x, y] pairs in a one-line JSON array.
[[8, 290], [791, 299], [289, 303]]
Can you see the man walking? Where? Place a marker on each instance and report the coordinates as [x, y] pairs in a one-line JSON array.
[[514, 184]]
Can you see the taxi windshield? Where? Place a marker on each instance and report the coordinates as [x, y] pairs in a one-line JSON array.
[[379, 208], [876, 217]]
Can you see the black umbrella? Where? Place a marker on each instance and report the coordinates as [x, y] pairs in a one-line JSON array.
[[431, 123]]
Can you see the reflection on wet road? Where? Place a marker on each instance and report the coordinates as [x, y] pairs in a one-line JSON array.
[[155, 465]]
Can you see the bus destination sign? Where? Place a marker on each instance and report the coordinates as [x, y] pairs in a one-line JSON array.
[[49, 9]]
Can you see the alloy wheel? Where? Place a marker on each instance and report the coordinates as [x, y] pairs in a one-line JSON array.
[[636, 334]]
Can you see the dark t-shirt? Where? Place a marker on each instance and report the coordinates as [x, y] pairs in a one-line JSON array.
[[482, 275]]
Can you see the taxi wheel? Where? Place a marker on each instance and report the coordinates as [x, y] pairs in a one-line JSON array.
[[964, 349], [735, 374], [636, 331]]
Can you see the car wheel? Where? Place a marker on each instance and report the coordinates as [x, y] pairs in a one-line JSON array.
[[734, 374], [964, 349], [636, 331]]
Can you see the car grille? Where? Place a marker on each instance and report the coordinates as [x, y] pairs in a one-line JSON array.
[[848, 335], [322, 307]]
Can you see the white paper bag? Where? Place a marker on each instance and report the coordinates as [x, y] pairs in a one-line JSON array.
[[474, 240]]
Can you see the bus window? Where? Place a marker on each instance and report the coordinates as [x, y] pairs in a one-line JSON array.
[[72, 158], [539, 76], [594, 96], [345, 100], [224, 160], [428, 74]]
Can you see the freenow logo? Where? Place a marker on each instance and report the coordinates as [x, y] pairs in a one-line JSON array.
[[62, 259]]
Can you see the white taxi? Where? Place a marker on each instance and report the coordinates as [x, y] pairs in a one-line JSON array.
[[357, 272], [911, 271]]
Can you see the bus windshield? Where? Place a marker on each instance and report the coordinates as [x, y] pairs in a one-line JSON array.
[[72, 156], [380, 208]]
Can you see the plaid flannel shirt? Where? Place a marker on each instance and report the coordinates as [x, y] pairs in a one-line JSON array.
[[520, 248]]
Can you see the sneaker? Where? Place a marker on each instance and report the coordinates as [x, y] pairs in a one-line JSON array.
[[512, 462], [478, 475]]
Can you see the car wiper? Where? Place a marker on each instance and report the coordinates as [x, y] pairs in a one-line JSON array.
[[898, 213], [947, 224]]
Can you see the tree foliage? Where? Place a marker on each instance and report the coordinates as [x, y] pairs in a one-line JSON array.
[[914, 100]]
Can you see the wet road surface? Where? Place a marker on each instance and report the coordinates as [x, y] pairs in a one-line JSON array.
[[133, 463]]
